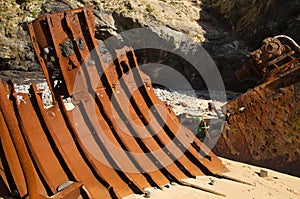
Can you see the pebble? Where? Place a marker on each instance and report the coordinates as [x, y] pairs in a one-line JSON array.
[[46, 94], [182, 101], [191, 102]]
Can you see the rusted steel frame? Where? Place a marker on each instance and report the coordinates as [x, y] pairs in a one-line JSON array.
[[88, 73], [141, 147], [152, 177], [155, 143], [41, 151], [104, 124], [153, 97], [70, 75], [100, 66], [214, 165], [67, 192], [85, 15], [31, 30], [58, 37], [160, 137], [85, 32], [47, 123], [130, 142], [113, 165], [68, 22], [21, 149], [81, 54], [35, 94], [116, 177], [94, 164], [71, 152], [197, 151], [12, 169], [143, 179], [40, 31], [132, 145], [91, 74], [149, 141], [105, 76], [79, 165], [162, 141], [157, 138]]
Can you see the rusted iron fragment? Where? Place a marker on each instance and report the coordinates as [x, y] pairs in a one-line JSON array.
[[263, 125], [272, 59]]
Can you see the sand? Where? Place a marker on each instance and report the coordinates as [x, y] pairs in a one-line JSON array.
[[243, 181]]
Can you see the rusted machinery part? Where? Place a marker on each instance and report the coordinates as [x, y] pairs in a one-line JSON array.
[[272, 59], [292, 41], [62, 153]]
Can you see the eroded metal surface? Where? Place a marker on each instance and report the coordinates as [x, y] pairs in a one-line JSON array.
[[270, 60], [87, 152], [263, 124]]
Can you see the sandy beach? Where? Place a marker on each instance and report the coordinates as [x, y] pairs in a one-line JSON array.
[[250, 185]]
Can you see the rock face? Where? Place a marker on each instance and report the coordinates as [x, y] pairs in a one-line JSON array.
[[177, 15], [252, 22], [16, 53], [112, 17], [170, 58], [255, 20]]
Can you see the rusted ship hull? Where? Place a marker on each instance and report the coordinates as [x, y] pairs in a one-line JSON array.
[[91, 150], [263, 125]]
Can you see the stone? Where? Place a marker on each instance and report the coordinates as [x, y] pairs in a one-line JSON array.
[[54, 6], [263, 173], [67, 48]]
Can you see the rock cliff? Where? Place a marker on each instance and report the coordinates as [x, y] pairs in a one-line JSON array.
[[112, 17], [222, 34]]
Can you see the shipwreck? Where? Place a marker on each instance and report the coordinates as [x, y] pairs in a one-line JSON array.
[[109, 144], [263, 125], [107, 135]]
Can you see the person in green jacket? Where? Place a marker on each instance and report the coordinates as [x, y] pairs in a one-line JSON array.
[[201, 128]]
